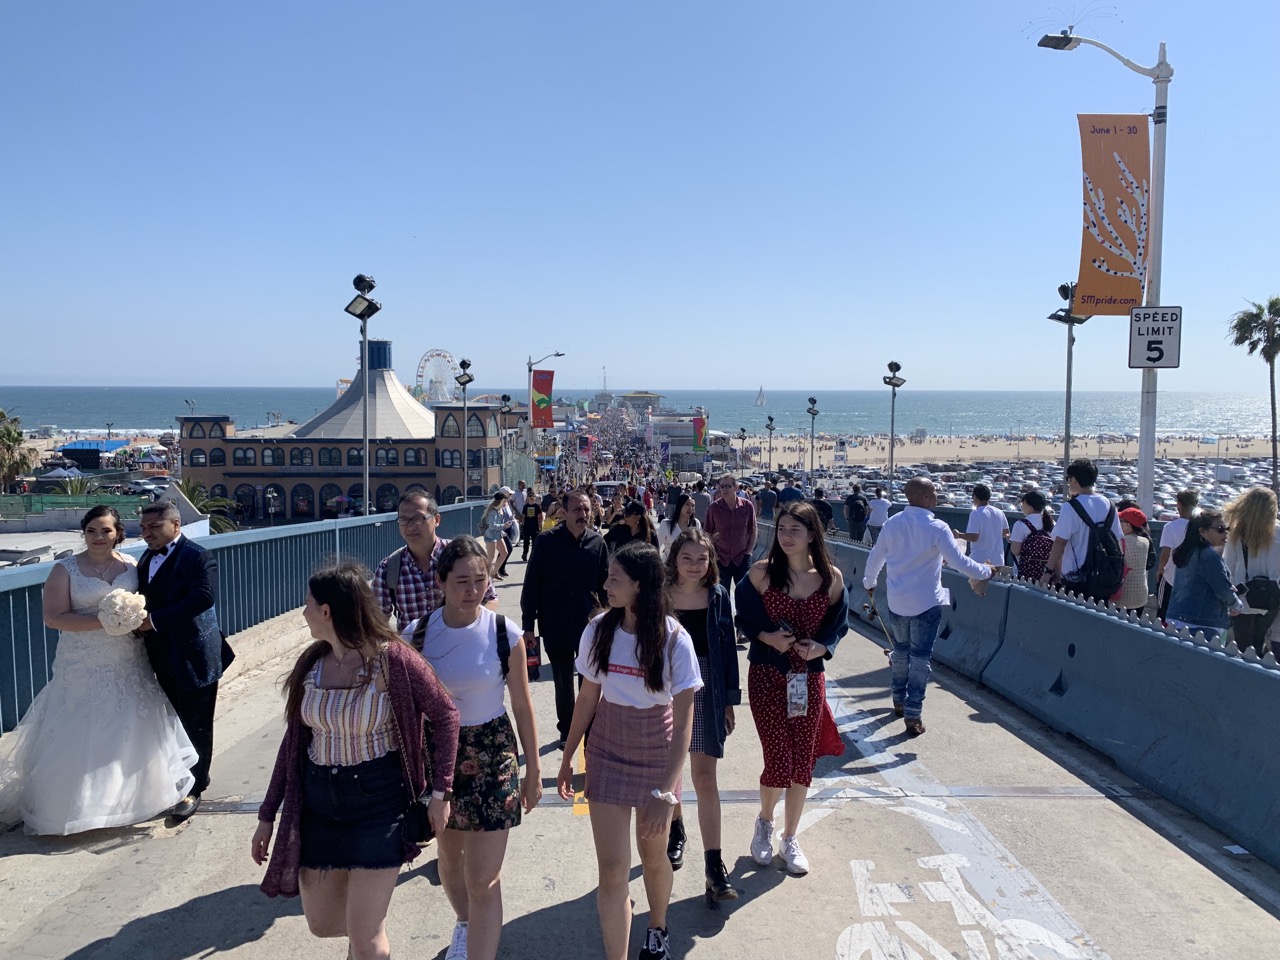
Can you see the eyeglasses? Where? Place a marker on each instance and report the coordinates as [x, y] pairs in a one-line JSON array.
[[1219, 528], [417, 521], [728, 486]]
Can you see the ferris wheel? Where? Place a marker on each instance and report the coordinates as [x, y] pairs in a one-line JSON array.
[[436, 372]]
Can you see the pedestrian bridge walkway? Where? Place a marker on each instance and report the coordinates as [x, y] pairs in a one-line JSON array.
[[991, 836]]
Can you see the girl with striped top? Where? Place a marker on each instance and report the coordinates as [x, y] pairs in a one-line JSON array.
[[344, 774]]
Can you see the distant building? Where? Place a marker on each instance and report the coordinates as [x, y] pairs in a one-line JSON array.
[[316, 470]]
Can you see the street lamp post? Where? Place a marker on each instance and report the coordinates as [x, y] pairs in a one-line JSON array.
[[502, 440], [362, 308], [272, 497], [813, 412], [742, 447], [531, 363], [893, 381], [464, 378], [1161, 75], [768, 425], [110, 424], [1066, 315]]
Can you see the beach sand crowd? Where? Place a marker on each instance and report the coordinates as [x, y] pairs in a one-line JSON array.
[[793, 453]]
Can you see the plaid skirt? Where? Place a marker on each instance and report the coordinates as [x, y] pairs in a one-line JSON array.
[[698, 739], [626, 753]]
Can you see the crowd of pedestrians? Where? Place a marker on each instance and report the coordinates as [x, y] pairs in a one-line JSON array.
[[408, 716]]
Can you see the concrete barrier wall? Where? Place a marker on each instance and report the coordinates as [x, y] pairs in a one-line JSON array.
[[1179, 716], [1191, 720]]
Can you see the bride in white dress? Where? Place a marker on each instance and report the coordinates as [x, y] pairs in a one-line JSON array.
[[100, 745]]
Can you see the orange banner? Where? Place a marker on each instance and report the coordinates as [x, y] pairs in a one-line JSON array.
[[1117, 196]]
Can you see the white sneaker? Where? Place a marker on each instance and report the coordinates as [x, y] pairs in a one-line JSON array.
[[458, 945], [797, 862], [762, 842]]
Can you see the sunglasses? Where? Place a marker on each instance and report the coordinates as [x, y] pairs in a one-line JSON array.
[[1219, 528]]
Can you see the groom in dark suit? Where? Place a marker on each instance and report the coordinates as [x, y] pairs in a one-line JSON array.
[[188, 652]]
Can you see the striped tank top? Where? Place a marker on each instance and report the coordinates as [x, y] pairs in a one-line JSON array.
[[349, 725]]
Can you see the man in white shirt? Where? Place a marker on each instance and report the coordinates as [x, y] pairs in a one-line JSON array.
[[1170, 538], [1071, 533], [987, 529], [879, 514], [913, 544]]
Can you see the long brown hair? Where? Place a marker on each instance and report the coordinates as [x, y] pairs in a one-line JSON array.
[[701, 538], [358, 622], [641, 563], [777, 569]]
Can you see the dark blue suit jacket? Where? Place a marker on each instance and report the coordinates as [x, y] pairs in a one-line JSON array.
[[187, 643]]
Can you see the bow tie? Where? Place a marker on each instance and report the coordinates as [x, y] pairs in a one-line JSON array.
[[163, 551]]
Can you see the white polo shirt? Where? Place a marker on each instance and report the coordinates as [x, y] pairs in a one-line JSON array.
[[913, 545], [990, 525]]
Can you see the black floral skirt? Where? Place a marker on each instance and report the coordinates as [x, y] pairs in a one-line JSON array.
[[486, 778]]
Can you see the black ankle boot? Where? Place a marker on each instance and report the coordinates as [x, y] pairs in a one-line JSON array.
[[675, 844], [718, 886]]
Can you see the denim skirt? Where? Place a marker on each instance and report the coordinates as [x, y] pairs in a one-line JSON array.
[[351, 816]]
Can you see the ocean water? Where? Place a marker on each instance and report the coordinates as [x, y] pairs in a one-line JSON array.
[[841, 412]]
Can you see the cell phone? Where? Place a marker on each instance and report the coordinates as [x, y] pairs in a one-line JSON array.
[[785, 627], [1241, 589]]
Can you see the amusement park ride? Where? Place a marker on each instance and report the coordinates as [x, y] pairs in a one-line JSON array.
[[436, 381]]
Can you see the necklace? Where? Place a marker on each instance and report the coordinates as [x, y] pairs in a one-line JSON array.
[[102, 575]]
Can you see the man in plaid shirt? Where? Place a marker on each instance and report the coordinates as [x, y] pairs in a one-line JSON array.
[[417, 589]]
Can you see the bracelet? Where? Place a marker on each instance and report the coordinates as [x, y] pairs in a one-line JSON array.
[[666, 795], [441, 794]]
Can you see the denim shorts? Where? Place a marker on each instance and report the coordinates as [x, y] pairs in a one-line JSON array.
[[351, 815]]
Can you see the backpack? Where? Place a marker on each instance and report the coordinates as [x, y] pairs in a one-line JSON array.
[[858, 508], [1100, 574], [1034, 553]]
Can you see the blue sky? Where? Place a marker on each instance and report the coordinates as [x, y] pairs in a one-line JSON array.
[[716, 193]]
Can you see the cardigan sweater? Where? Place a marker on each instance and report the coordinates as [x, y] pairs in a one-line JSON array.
[[416, 694], [752, 620]]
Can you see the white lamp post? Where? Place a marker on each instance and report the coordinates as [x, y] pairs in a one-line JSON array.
[[531, 364], [894, 382], [464, 378], [1160, 75], [813, 412], [770, 427], [362, 308]]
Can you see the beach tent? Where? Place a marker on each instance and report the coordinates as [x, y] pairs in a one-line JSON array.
[[59, 473]]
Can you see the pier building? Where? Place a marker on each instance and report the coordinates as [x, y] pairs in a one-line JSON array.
[[315, 471]]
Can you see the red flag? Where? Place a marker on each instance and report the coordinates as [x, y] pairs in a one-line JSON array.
[[540, 398]]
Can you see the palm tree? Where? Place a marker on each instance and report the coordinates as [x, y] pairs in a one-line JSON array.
[[77, 486], [1255, 330], [16, 457], [218, 509]]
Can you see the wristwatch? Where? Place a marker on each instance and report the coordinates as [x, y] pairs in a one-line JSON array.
[[666, 795], [441, 794]]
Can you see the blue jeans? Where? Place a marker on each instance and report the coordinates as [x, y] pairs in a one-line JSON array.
[[911, 640]]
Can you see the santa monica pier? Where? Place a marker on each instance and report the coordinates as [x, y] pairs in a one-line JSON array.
[[1091, 784]]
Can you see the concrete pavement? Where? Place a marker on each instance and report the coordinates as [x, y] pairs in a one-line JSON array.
[[989, 837]]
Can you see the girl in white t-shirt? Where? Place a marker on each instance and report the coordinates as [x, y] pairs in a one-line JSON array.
[[461, 642], [639, 675]]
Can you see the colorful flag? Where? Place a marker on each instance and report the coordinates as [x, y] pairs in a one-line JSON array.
[[540, 398], [1117, 214], [699, 434]]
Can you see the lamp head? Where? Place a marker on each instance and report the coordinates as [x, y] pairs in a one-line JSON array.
[[465, 364], [364, 284], [894, 366], [1066, 291], [1059, 41], [362, 308], [894, 381], [813, 401]]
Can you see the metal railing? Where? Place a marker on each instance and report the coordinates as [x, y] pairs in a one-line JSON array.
[[261, 574], [19, 506]]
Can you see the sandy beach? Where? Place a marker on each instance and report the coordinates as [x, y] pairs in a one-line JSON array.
[[792, 452]]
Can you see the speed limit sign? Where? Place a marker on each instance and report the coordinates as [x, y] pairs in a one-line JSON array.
[[1155, 337]]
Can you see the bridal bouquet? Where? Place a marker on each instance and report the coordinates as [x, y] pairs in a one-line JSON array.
[[121, 612]]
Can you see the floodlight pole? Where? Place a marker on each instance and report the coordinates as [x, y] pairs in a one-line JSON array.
[[1161, 74], [364, 409], [770, 427]]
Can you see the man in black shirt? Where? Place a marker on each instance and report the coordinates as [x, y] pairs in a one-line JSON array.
[[823, 506], [530, 523], [856, 510], [563, 587]]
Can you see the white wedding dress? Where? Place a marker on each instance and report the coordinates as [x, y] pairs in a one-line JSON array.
[[100, 745]]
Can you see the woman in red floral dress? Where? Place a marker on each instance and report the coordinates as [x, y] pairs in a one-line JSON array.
[[792, 609]]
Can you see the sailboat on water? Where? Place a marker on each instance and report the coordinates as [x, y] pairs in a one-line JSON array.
[[760, 401]]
